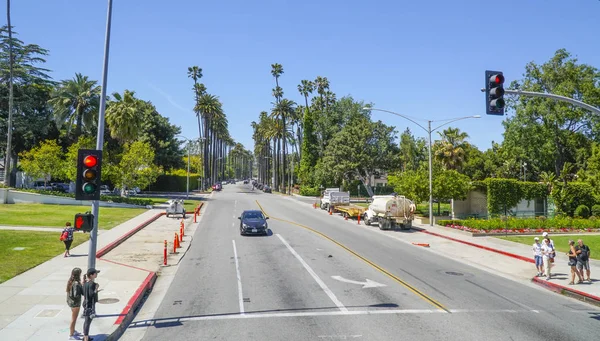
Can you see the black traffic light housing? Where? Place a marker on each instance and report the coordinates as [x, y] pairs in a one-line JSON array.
[[89, 164], [84, 222], [494, 93]]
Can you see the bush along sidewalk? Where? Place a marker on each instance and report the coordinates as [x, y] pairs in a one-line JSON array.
[[524, 225], [108, 198]]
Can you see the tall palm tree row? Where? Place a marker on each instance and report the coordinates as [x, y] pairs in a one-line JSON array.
[[212, 130]]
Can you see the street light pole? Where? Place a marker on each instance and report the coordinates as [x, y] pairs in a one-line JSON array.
[[100, 136], [187, 196], [429, 131]]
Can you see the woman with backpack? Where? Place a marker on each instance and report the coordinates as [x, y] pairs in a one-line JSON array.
[[74, 292], [67, 237]]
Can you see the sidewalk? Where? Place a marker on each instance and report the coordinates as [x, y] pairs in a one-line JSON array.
[[509, 259], [33, 304]]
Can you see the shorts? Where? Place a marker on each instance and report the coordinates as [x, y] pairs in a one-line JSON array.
[[583, 264], [538, 261]]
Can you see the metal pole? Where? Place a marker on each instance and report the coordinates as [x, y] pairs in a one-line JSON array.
[[430, 179], [556, 97], [100, 136], [188, 173], [7, 157]]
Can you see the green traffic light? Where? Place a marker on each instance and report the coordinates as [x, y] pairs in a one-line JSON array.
[[89, 188]]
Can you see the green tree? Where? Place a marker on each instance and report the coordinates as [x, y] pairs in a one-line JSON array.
[[124, 115], [135, 167], [43, 161], [157, 131], [413, 184], [76, 101], [413, 152], [450, 184], [548, 133], [450, 151], [309, 150]]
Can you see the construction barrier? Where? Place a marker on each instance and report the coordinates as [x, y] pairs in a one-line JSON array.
[[165, 254]]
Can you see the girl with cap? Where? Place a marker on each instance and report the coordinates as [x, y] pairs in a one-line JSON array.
[[90, 295]]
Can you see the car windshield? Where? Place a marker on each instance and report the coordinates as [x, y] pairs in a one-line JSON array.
[[253, 215]]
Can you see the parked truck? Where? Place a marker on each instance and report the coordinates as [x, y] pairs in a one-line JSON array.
[[391, 211], [332, 197]]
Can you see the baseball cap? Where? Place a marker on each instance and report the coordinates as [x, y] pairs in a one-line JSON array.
[[92, 271], [536, 238], [544, 234]]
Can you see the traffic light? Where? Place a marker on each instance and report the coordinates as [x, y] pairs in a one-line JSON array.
[[89, 163], [84, 222], [494, 93]]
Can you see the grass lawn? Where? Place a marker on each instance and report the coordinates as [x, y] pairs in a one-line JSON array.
[[189, 205], [562, 242], [424, 208], [57, 215], [39, 247]]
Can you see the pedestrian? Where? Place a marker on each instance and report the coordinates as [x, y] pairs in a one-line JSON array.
[[67, 238], [74, 293], [547, 252], [90, 296], [537, 255], [583, 259], [553, 254], [573, 263]]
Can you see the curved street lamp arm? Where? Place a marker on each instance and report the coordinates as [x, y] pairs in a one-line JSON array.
[[395, 113], [453, 120]]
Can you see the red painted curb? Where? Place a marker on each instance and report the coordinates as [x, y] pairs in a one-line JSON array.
[[525, 259], [137, 296], [126, 236], [559, 288]]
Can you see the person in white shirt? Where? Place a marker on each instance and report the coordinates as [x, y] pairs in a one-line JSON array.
[[537, 255], [553, 254], [547, 252]]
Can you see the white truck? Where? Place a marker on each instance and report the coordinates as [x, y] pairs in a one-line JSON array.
[[332, 197], [390, 211]]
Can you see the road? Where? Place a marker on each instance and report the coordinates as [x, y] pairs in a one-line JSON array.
[[307, 280]]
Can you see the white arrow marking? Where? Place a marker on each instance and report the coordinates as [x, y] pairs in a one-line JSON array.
[[367, 284]]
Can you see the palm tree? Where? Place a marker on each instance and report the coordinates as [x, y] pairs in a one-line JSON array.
[[124, 115], [76, 101], [210, 107], [305, 88], [284, 109], [450, 150], [195, 73], [277, 71]]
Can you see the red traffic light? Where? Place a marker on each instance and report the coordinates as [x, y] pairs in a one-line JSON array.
[[78, 222], [496, 80], [90, 161]]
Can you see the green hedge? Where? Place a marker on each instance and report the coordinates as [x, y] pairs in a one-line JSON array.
[[174, 183], [526, 223], [310, 191], [504, 194]]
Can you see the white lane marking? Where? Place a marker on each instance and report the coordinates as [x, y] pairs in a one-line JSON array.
[[342, 337], [367, 284], [250, 315], [315, 276], [239, 278]]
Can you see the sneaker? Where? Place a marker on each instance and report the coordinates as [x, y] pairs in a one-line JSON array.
[[75, 337], [77, 333]]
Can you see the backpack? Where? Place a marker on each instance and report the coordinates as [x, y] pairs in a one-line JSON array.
[[64, 236], [74, 294], [585, 252]]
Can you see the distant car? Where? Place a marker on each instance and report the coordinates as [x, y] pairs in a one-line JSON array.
[[217, 187], [267, 189], [253, 222]]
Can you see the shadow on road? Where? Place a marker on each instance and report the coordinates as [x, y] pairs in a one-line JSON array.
[[175, 321]]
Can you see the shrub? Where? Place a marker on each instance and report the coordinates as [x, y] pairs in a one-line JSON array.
[[596, 210], [582, 211], [568, 198], [526, 223], [310, 191], [173, 183]]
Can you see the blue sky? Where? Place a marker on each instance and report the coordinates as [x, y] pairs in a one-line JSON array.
[[419, 58]]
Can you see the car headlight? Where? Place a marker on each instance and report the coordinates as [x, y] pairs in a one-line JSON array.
[[245, 226]]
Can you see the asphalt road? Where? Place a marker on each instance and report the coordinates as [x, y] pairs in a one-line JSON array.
[[307, 280]]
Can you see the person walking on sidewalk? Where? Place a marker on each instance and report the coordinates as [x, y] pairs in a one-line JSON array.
[[573, 262], [583, 259], [90, 295], [67, 238], [74, 293], [537, 255], [547, 252]]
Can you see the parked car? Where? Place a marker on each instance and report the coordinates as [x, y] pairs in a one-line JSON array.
[[267, 189], [217, 187], [253, 222]]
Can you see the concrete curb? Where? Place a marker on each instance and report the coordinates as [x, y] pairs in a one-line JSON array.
[[126, 236], [557, 288], [519, 257]]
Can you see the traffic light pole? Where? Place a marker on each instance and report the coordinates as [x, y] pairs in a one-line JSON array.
[[100, 137], [552, 96]]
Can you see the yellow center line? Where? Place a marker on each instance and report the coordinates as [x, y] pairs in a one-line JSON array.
[[379, 268]]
